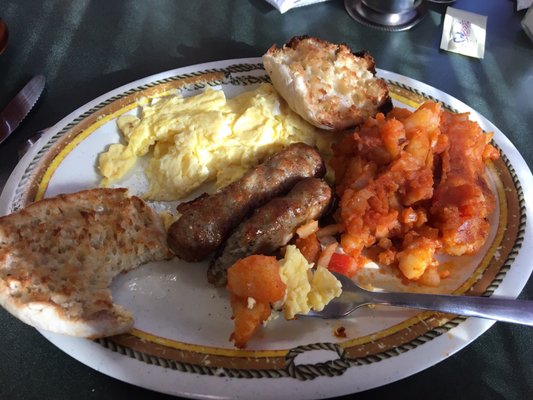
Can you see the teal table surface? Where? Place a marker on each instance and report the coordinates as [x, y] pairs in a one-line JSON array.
[[87, 48]]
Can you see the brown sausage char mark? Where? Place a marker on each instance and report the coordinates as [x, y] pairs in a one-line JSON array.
[[272, 226], [207, 221]]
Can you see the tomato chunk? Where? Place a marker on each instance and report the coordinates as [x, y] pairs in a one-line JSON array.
[[343, 264]]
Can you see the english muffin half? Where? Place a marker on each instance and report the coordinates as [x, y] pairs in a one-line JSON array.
[[327, 84], [59, 255]]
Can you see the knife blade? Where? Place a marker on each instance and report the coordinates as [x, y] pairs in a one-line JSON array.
[[20, 106]]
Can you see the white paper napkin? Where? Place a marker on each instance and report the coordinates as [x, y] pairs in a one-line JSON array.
[[285, 5], [527, 23], [523, 4]]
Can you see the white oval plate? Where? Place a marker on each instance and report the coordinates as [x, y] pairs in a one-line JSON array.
[[180, 341]]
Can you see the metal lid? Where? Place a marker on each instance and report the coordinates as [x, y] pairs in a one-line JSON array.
[[399, 21]]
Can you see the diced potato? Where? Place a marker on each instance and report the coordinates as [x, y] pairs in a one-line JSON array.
[[257, 277], [247, 319]]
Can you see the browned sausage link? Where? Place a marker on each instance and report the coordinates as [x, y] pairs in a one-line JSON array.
[[272, 225], [207, 221]]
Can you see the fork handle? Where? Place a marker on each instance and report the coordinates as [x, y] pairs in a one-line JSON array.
[[508, 310]]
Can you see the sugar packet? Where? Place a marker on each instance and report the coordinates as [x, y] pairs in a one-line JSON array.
[[464, 33]]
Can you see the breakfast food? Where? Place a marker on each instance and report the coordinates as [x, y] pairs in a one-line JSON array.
[[309, 286], [254, 284], [410, 184], [272, 225], [207, 221], [261, 285], [189, 141], [328, 85], [59, 255], [385, 175], [463, 199]]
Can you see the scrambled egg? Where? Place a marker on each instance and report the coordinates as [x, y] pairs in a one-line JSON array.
[[205, 138], [306, 290]]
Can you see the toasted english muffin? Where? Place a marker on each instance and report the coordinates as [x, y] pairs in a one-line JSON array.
[[59, 255], [325, 83]]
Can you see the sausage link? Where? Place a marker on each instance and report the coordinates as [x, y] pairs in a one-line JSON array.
[[272, 225], [207, 221]]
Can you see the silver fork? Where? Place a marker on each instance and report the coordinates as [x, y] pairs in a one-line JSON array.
[[499, 309]]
